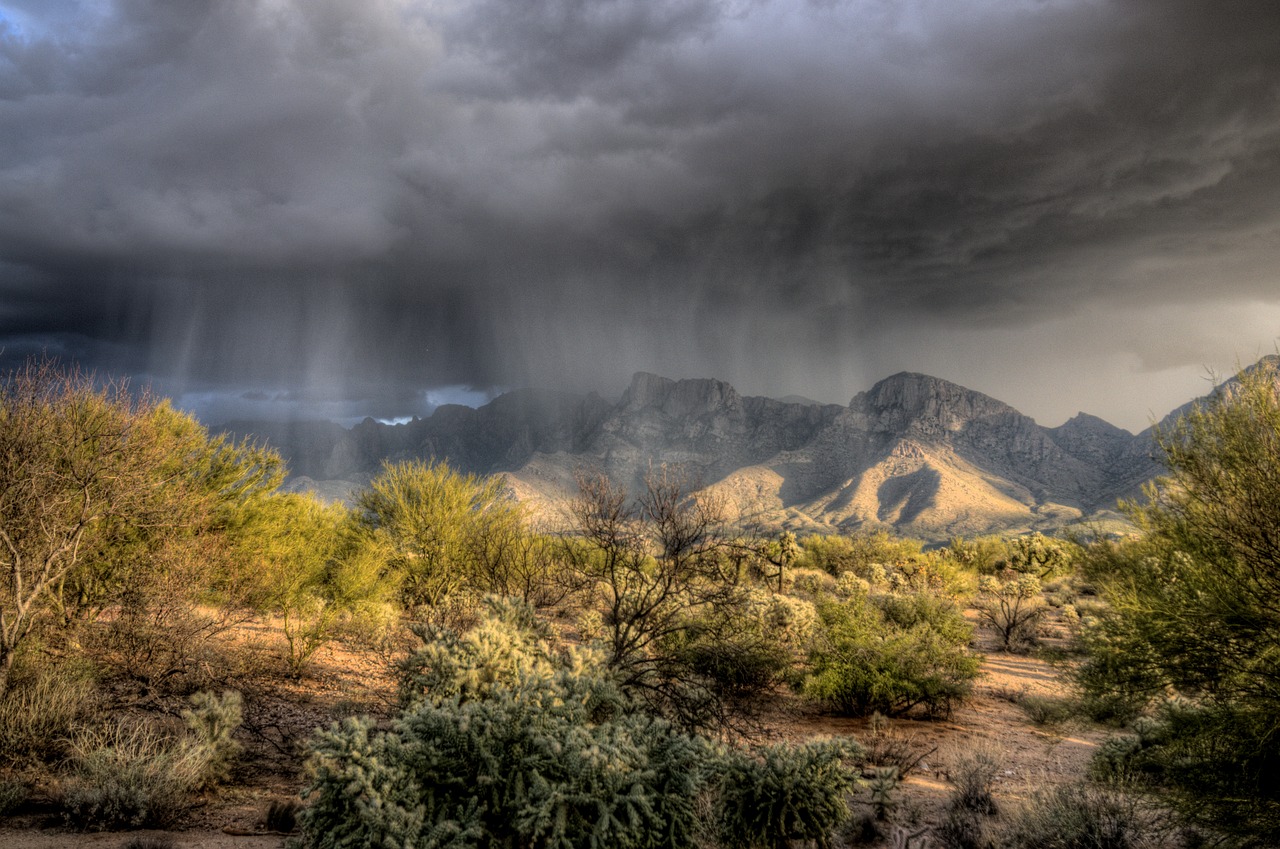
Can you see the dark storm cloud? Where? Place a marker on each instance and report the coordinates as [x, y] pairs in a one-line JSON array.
[[364, 201]]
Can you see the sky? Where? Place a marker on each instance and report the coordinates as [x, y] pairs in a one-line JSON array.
[[328, 208]]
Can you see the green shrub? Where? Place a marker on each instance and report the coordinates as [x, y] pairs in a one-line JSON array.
[[1047, 710], [1193, 610], [863, 662], [973, 775], [743, 651]]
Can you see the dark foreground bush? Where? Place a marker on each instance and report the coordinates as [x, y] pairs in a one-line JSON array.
[[505, 743]]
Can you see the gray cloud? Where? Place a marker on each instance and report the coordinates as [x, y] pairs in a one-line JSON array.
[[365, 201]]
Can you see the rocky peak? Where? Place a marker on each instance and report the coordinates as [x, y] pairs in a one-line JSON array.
[[1092, 439], [680, 398], [928, 405]]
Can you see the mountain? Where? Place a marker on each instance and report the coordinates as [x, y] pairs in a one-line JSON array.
[[914, 453]]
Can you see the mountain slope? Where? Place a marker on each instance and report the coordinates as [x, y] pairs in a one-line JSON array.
[[914, 453]]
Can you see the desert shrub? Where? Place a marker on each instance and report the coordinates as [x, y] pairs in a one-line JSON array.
[[849, 584], [985, 555], [961, 828], [885, 745], [1036, 554], [1193, 610], [14, 791], [741, 652], [1047, 710], [973, 773], [129, 775], [862, 662], [669, 584], [518, 744], [1081, 816], [39, 712], [938, 613], [162, 635], [932, 573], [785, 793], [1011, 604], [855, 553], [812, 582], [1216, 765], [93, 478], [440, 532]]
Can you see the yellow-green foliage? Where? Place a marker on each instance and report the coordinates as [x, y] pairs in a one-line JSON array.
[[856, 553], [95, 482], [304, 560], [891, 653], [439, 531], [1195, 609]]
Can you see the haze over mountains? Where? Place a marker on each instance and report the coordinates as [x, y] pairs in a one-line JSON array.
[[915, 454]]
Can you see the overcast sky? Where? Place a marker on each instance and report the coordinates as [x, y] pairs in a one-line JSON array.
[[333, 207]]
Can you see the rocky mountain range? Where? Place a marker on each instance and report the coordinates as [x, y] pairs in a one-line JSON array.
[[915, 454]]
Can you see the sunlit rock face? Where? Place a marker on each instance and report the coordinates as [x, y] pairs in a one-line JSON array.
[[914, 453]]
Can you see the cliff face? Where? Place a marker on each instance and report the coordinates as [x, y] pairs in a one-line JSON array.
[[914, 453]]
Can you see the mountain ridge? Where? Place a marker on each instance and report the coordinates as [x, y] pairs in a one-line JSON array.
[[915, 454]]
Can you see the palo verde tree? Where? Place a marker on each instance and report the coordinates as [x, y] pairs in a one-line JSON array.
[[1195, 611], [88, 470], [434, 526]]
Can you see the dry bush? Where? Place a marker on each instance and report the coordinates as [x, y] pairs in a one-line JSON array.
[[1083, 816], [38, 714], [133, 775]]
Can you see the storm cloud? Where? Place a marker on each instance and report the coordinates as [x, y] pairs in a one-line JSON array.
[[335, 208]]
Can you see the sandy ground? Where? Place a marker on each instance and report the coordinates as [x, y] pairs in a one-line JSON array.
[[343, 683]]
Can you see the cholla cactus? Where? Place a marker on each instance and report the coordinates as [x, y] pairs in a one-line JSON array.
[[884, 789], [212, 720], [850, 585], [544, 752]]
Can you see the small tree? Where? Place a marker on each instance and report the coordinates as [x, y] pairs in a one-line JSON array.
[[1195, 608], [95, 479], [432, 524], [663, 573], [1012, 604], [307, 566]]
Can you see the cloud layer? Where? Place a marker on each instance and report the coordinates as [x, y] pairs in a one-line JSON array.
[[1063, 203]]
